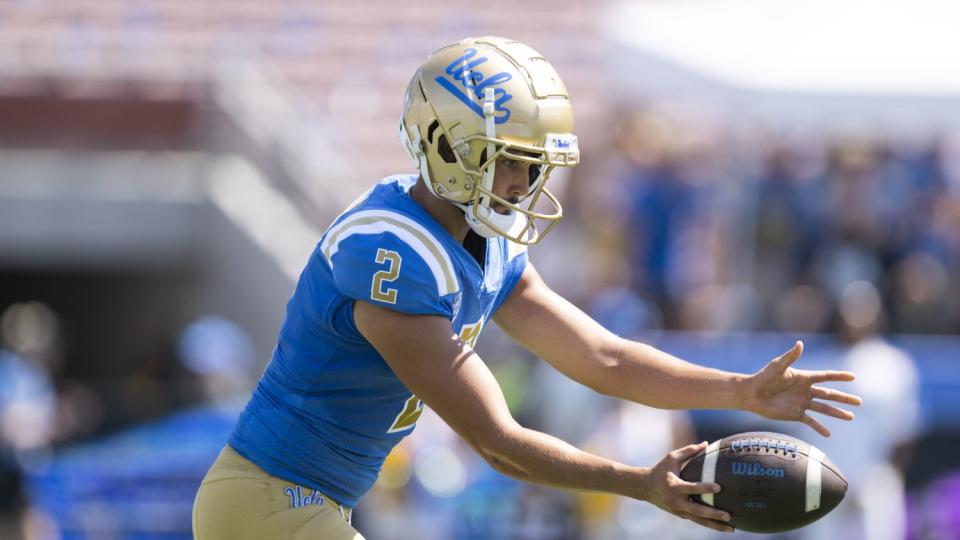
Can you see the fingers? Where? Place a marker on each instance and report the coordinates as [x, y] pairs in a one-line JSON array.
[[702, 511], [702, 514], [830, 376], [717, 526], [681, 455], [783, 361], [816, 426], [830, 410], [835, 395], [694, 488]]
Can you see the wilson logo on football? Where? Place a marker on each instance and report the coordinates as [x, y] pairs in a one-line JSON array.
[[463, 70], [741, 468]]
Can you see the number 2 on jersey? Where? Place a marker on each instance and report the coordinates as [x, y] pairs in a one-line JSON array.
[[377, 292]]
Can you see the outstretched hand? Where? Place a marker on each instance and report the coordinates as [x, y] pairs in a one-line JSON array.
[[780, 392]]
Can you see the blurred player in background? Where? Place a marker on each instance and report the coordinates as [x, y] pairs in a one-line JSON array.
[[29, 354], [874, 454], [391, 302]]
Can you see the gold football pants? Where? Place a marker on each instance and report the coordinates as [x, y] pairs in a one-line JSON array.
[[238, 500]]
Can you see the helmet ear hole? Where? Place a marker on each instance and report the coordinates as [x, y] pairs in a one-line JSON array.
[[430, 130], [443, 148]]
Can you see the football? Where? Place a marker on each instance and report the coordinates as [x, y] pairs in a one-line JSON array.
[[769, 482]]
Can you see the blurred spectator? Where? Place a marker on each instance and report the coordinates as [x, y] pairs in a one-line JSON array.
[[221, 354], [661, 203], [802, 309], [873, 451], [785, 224], [921, 294], [767, 238], [28, 405]]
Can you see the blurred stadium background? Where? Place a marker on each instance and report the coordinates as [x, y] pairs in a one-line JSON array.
[[754, 172]]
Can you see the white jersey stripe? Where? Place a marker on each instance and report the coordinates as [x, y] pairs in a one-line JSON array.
[[410, 232], [709, 471], [814, 478]]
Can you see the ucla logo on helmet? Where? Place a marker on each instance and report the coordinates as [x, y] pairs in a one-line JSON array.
[[467, 83]]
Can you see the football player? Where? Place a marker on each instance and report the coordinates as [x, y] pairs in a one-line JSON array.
[[386, 313]]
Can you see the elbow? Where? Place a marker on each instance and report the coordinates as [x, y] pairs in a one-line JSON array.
[[606, 374], [500, 446], [506, 467]]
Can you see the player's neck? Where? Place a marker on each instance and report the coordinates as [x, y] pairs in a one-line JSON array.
[[448, 215]]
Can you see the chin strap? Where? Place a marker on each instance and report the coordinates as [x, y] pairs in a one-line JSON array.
[[473, 212]]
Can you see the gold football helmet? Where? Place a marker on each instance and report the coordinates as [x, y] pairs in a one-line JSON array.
[[474, 102]]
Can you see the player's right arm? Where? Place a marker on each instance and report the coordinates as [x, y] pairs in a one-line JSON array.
[[447, 375]]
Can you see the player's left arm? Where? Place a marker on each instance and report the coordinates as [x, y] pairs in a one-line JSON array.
[[563, 335]]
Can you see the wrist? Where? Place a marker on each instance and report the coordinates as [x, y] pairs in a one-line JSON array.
[[640, 484], [627, 481], [741, 393]]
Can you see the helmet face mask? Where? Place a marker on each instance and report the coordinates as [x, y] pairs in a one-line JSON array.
[[461, 115]]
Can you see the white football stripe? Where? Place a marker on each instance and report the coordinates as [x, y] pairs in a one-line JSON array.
[[814, 478], [709, 471]]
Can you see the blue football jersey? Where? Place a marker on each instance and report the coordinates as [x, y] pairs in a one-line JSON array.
[[328, 409]]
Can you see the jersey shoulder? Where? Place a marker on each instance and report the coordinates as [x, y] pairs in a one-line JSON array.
[[380, 251]]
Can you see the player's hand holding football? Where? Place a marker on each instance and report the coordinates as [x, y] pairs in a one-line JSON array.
[[668, 491], [780, 392]]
